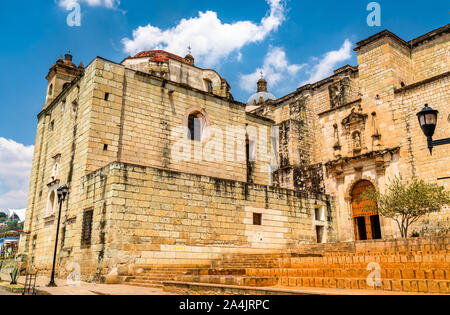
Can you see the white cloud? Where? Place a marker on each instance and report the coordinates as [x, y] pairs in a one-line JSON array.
[[15, 168], [211, 39], [327, 64], [276, 69], [110, 4]]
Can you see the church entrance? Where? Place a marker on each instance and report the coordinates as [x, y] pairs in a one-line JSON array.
[[366, 224]]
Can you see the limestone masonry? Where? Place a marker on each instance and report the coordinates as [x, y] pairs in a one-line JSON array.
[[150, 187]]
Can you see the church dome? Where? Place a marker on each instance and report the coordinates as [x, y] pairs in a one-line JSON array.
[[261, 96]]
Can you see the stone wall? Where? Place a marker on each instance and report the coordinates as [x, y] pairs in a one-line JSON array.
[[149, 216], [111, 114], [141, 123], [431, 58]]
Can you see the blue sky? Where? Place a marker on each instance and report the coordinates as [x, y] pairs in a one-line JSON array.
[[293, 41]]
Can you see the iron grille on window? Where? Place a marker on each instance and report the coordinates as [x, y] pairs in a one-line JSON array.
[[87, 228]]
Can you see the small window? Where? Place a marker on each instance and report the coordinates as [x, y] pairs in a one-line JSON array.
[[195, 126], [86, 233], [34, 241], [106, 96], [52, 125], [257, 219], [209, 85], [105, 147], [320, 214], [74, 107], [50, 90]]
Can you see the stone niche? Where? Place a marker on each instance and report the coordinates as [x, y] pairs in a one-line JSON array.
[[354, 126]]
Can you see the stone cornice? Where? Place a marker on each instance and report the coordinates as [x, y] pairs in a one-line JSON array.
[[340, 107], [420, 83], [260, 117], [368, 155], [380, 35], [411, 44]]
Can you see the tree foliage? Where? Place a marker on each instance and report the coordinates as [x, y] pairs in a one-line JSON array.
[[406, 203]]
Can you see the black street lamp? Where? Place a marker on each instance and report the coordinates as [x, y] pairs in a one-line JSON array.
[[428, 121], [62, 193]]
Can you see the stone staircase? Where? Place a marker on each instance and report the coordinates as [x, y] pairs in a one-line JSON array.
[[415, 266], [153, 277], [412, 266]]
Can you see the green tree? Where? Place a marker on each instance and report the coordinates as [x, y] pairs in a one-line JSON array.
[[13, 225], [406, 203], [3, 217]]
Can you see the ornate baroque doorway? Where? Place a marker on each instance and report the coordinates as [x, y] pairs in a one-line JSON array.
[[366, 224]]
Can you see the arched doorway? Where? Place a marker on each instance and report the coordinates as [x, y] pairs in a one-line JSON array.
[[366, 224]]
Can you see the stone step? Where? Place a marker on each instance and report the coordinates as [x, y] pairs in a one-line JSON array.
[[147, 277], [149, 281], [297, 264], [186, 288], [143, 285], [169, 267], [231, 280], [438, 274], [405, 285], [157, 272], [218, 272]]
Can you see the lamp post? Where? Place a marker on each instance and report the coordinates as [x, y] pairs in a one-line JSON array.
[[62, 193], [428, 121]]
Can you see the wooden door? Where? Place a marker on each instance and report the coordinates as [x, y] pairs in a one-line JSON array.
[[363, 220]]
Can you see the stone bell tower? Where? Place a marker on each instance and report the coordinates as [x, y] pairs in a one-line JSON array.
[[60, 75]]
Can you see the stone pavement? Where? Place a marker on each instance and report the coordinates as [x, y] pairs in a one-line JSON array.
[[88, 288], [185, 288], [6, 292]]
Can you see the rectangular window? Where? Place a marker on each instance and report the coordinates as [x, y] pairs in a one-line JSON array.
[[257, 219], [86, 233], [106, 96], [319, 214], [209, 86]]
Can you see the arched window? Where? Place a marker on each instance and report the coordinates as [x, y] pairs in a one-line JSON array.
[[50, 90], [196, 123], [51, 203]]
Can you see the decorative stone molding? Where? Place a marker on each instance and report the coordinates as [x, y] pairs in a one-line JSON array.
[[349, 189], [338, 92], [382, 159]]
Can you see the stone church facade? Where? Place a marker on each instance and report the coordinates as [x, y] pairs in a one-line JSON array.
[[132, 142], [358, 129]]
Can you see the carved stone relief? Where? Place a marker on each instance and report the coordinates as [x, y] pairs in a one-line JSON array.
[[339, 92]]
